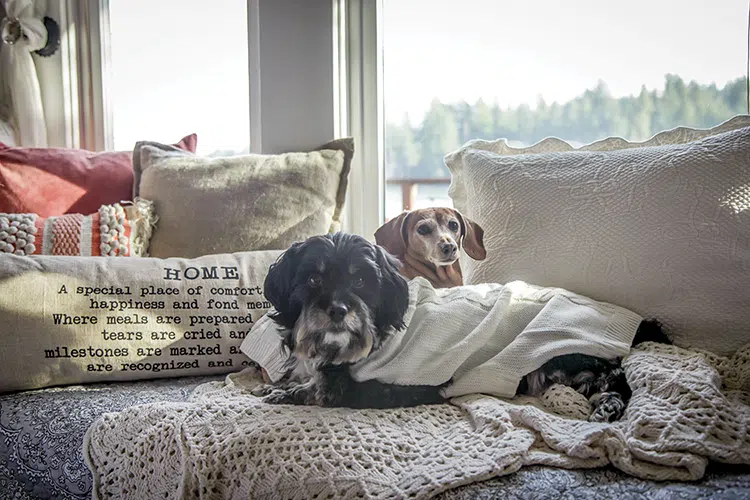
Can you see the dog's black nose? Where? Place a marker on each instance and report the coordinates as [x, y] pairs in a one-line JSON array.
[[337, 312], [448, 248]]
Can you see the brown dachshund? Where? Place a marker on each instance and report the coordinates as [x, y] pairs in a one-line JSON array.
[[428, 240]]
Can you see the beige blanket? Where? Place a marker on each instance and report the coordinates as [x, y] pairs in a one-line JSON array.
[[688, 408]]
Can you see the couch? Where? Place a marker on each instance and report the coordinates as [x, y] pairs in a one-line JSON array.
[[42, 430], [42, 434]]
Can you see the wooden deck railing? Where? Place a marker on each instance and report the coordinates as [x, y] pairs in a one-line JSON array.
[[410, 189]]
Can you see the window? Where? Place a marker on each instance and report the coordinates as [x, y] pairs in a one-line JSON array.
[[580, 71], [178, 67]]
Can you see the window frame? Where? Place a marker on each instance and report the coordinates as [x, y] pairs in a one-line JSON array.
[[336, 45], [74, 83], [361, 78], [344, 39]]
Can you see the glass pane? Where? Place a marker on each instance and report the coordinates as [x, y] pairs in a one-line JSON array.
[[579, 70], [178, 67]]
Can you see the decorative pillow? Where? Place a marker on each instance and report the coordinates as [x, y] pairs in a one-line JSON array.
[[56, 181], [113, 231], [662, 230], [69, 320], [251, 202]]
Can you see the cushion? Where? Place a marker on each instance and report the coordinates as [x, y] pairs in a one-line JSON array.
[[663, 230], [57, 181], [251, 202], [68, 320], [113, 230]]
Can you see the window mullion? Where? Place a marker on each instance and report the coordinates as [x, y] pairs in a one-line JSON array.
[[364, 114], [84, 59]]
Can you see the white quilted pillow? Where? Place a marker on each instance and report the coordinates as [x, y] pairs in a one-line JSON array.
[[662, 230]]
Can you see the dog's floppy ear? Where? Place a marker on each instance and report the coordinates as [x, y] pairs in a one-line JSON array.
[[392, 235], [472, 237], [394, 292], [277, 286]]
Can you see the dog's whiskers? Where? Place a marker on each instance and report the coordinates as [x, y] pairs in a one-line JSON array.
[[317, 337]]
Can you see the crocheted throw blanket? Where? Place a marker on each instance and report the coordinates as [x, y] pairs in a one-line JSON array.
[[688, 407]]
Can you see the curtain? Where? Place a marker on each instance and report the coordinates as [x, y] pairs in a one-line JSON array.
[[19, 78]]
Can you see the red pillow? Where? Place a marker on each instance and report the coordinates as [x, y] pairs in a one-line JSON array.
[[57, 181]]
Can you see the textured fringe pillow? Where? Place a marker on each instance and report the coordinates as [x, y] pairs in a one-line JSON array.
[[251, 202], [661, 228], [113, 231], [70, 320]]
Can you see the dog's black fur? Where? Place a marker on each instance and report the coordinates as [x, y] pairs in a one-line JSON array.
[[339, 297], [601, 380], [374, 306]]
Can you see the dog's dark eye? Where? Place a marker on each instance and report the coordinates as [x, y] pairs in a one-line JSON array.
[[424, 229], [359, 282], [453, 226], [314, 281]]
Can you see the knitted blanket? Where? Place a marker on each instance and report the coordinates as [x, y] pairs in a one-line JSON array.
[[688, 408]]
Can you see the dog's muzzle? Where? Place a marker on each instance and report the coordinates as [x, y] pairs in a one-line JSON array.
[[336, 335], [449, 250], [445, 253], [337, 312]]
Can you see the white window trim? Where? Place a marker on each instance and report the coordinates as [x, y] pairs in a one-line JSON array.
[[254, 80], [334, 51], [360, 103], [84, 59]]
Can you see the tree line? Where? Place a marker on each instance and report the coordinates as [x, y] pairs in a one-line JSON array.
[[417, 151]]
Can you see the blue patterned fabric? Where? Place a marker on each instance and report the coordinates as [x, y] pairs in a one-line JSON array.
[[41, 433]]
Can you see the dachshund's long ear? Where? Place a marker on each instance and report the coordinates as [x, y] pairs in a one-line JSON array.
[[278, 284], [472, 237], [394, 292], [392, 235]]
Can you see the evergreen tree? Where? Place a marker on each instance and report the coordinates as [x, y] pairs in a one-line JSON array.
[[438, 136], [481, 124], [413, 152], [402, 151]]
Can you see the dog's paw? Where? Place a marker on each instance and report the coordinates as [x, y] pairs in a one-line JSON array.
[[254, 370], [608, 407], [279, 397], [262, 390], [303, 394]]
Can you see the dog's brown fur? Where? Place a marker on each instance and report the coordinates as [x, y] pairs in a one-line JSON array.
[[420, 254]]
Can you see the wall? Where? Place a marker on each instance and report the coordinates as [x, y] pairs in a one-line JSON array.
[[291, 74]]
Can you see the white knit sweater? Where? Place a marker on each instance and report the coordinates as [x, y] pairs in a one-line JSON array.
[[485, 337]]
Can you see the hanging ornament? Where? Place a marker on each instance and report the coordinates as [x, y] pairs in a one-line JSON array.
[[11, 32]]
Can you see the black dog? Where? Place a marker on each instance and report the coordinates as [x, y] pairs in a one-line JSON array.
[[338, 297]]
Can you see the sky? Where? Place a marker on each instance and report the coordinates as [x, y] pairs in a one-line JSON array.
[[177, 67], [512, 52], [180, 66]]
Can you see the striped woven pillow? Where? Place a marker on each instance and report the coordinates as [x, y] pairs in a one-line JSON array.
[[113, 231]]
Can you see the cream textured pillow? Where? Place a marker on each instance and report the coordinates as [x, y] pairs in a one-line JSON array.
[[69, 320], [211, 205], [661, 230]]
